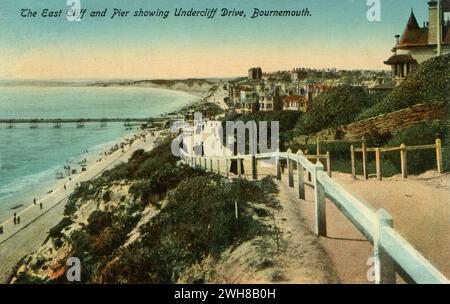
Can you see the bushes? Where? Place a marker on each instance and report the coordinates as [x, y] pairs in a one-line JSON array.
[[419, 161], [333, 108], [430, 83], [199, 220], [98, 221], [56, 232], [287, 121], [423, 133], [162, 179]]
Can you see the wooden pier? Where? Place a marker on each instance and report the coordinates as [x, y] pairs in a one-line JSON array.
[[80, 122]]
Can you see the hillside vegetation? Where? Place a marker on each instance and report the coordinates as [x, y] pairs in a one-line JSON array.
[[430, 83], [149, 220]]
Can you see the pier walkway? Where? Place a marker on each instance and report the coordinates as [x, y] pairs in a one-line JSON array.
[[80, 122]]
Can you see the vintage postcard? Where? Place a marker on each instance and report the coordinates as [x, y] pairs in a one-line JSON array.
[[224, 142]]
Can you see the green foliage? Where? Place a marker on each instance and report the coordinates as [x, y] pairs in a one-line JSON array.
[[162, 179], [56, 232], [199, 220], [287, 121], [423, 133], [99, 220], [419, 161], [333, 108], [80, 242], [106, 196], [430, 83]]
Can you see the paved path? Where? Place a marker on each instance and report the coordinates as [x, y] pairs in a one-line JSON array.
[[20, 240]]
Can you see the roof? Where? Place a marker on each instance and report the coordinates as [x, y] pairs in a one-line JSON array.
[[413, 34], [397, 59], [295, 98]]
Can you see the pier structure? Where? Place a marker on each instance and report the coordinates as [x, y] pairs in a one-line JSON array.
[[81, 122], [34, 124], [57, 124]]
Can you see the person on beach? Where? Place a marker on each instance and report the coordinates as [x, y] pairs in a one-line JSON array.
[[34, 201], [65, 188], [1, 229], [15, 219], [40, 205], [18, 220]]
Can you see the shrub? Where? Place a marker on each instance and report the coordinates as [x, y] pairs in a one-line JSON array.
[[430, 83], [106, 196], [423, 133], [98, 221], [287, 121], [333, 108], [56, 231], [198, 221]]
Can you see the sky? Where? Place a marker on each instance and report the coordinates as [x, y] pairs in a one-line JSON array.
[[336, 35]]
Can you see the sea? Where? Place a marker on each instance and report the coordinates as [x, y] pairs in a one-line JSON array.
[[30, 157]]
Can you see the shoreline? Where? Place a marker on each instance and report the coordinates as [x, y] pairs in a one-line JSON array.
[[43, 181], [42, 188], [20, 240], [17, 241]]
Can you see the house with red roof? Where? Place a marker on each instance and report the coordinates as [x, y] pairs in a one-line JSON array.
[[420, 43], [295, 103]]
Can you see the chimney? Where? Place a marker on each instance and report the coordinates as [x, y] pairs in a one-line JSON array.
[[432, 22]]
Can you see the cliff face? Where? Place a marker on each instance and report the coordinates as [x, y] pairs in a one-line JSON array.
[[194, 86]]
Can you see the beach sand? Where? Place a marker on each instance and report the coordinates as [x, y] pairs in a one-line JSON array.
[[20, 240]]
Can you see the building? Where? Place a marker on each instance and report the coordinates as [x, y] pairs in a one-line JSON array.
[[298, 74], [255, 74], [420, 43], [295, 103], [266, 102]]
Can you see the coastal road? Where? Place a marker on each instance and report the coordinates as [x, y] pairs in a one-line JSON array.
[[17, 241]]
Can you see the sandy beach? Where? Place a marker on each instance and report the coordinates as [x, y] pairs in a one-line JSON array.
[[18, 240]]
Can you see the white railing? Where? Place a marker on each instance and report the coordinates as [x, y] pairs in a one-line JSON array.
[[393, 254]]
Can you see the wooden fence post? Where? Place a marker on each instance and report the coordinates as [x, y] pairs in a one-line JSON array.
[[364, 159], [385, 272], [211, 165], [328, 156], [378, 162], [239, 165], [277, 165], [309, 173], [254, 167], [227, 167], [403, 162], [218, 166], [319, 196], [300, 177], [352, 157], [440, 165], [290, 165]]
